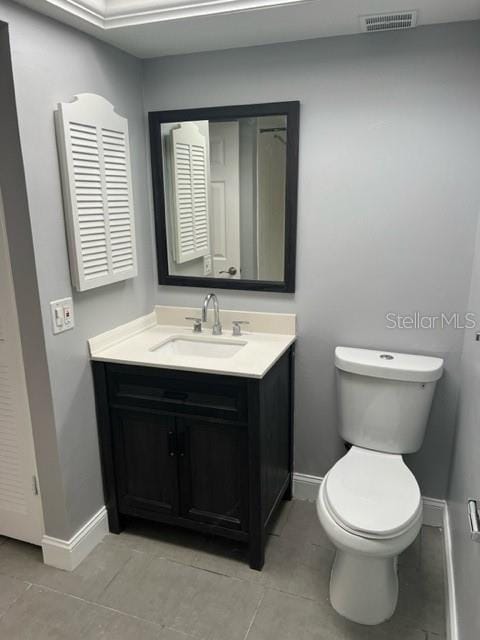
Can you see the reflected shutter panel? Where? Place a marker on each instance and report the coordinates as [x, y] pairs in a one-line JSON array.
[[190, 178], [96, 175]]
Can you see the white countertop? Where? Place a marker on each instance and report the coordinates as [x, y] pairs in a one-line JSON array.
[[137, 342]]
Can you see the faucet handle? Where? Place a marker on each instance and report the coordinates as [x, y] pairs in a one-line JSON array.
[[197, 324], [237, 326]]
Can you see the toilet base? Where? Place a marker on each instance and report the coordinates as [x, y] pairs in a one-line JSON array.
[[364, 589], [364, 581]]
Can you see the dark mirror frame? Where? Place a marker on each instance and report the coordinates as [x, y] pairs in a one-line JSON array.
[[156, 118]]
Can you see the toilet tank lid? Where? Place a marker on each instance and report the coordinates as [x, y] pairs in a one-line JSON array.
[[388, 364]]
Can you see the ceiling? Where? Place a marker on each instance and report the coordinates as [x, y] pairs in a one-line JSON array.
[[150, 28]]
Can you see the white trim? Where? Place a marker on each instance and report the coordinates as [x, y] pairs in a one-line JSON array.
[[452, 618], [77, 8], [306, 487], [68, 554], [114, 336], [133, 13], [182, 10], [433, 511], [260, 321]]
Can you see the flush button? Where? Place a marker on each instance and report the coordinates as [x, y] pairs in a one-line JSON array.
[[386, 356]]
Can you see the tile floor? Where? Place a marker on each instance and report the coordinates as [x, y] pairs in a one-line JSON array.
[[161, 583]]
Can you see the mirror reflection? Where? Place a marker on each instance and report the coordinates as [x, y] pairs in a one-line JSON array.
[[225, 197]]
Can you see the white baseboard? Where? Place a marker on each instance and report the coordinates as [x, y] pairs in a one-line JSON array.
[[68, 554], [306, 487], [433, 511], [452, 619]]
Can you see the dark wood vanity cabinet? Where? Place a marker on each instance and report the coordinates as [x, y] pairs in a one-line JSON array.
[[208, 452]]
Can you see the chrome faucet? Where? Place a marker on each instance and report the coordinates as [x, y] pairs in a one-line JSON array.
[[217, 327]]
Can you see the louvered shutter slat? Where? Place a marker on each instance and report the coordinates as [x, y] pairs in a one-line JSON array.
[[96, 175], [190, 177], [12, 492]]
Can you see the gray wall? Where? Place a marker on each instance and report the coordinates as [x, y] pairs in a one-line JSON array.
[[388, 202], [51, 63], [390, 149], [19, 232], [465, 475]]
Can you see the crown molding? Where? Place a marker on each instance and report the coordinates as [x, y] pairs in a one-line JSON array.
[[88, 11], [106, 15]]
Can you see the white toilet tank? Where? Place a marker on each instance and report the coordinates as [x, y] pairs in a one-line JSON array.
[[384, 398]]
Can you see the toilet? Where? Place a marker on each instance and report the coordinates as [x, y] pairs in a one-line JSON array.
[[369, 503]]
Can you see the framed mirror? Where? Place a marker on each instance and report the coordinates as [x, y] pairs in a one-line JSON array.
[[225, 195]]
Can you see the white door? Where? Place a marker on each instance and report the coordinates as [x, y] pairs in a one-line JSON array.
[[20, 505], [225, 199]]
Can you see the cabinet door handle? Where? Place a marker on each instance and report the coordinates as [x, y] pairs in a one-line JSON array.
[[181, 444], [172, 448]]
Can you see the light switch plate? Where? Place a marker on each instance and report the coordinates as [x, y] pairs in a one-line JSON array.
[[207, 265], [62, 315]]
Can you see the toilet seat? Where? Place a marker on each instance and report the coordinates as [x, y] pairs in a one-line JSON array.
[[372, 494]]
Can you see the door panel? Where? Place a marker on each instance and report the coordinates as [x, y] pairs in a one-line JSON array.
[[213, 472], [20, 506], [225, 199], [145, 461]]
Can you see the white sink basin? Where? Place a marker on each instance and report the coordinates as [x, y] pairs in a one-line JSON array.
[[199, 347]]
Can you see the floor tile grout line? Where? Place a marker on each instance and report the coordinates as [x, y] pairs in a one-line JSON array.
[[188, 636], [407, 621], [402, 620], [154, 554], [191, 563], [130, 615], [194, 561], [29, 585], [116, 574], [95, 604], [193, 566], [257, 608]]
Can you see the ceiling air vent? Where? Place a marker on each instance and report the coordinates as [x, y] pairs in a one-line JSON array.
[[389, 21]]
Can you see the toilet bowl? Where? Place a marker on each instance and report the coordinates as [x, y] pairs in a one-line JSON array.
[[370, 507], [369, 503]]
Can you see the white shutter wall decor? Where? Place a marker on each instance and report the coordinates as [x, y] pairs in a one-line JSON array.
[[190, 193], [94, 152]]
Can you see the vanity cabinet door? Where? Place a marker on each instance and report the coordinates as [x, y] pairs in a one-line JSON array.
[[145, 462], [213, 472]]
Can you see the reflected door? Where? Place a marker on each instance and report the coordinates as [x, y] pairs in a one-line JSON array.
[[225, 199]]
